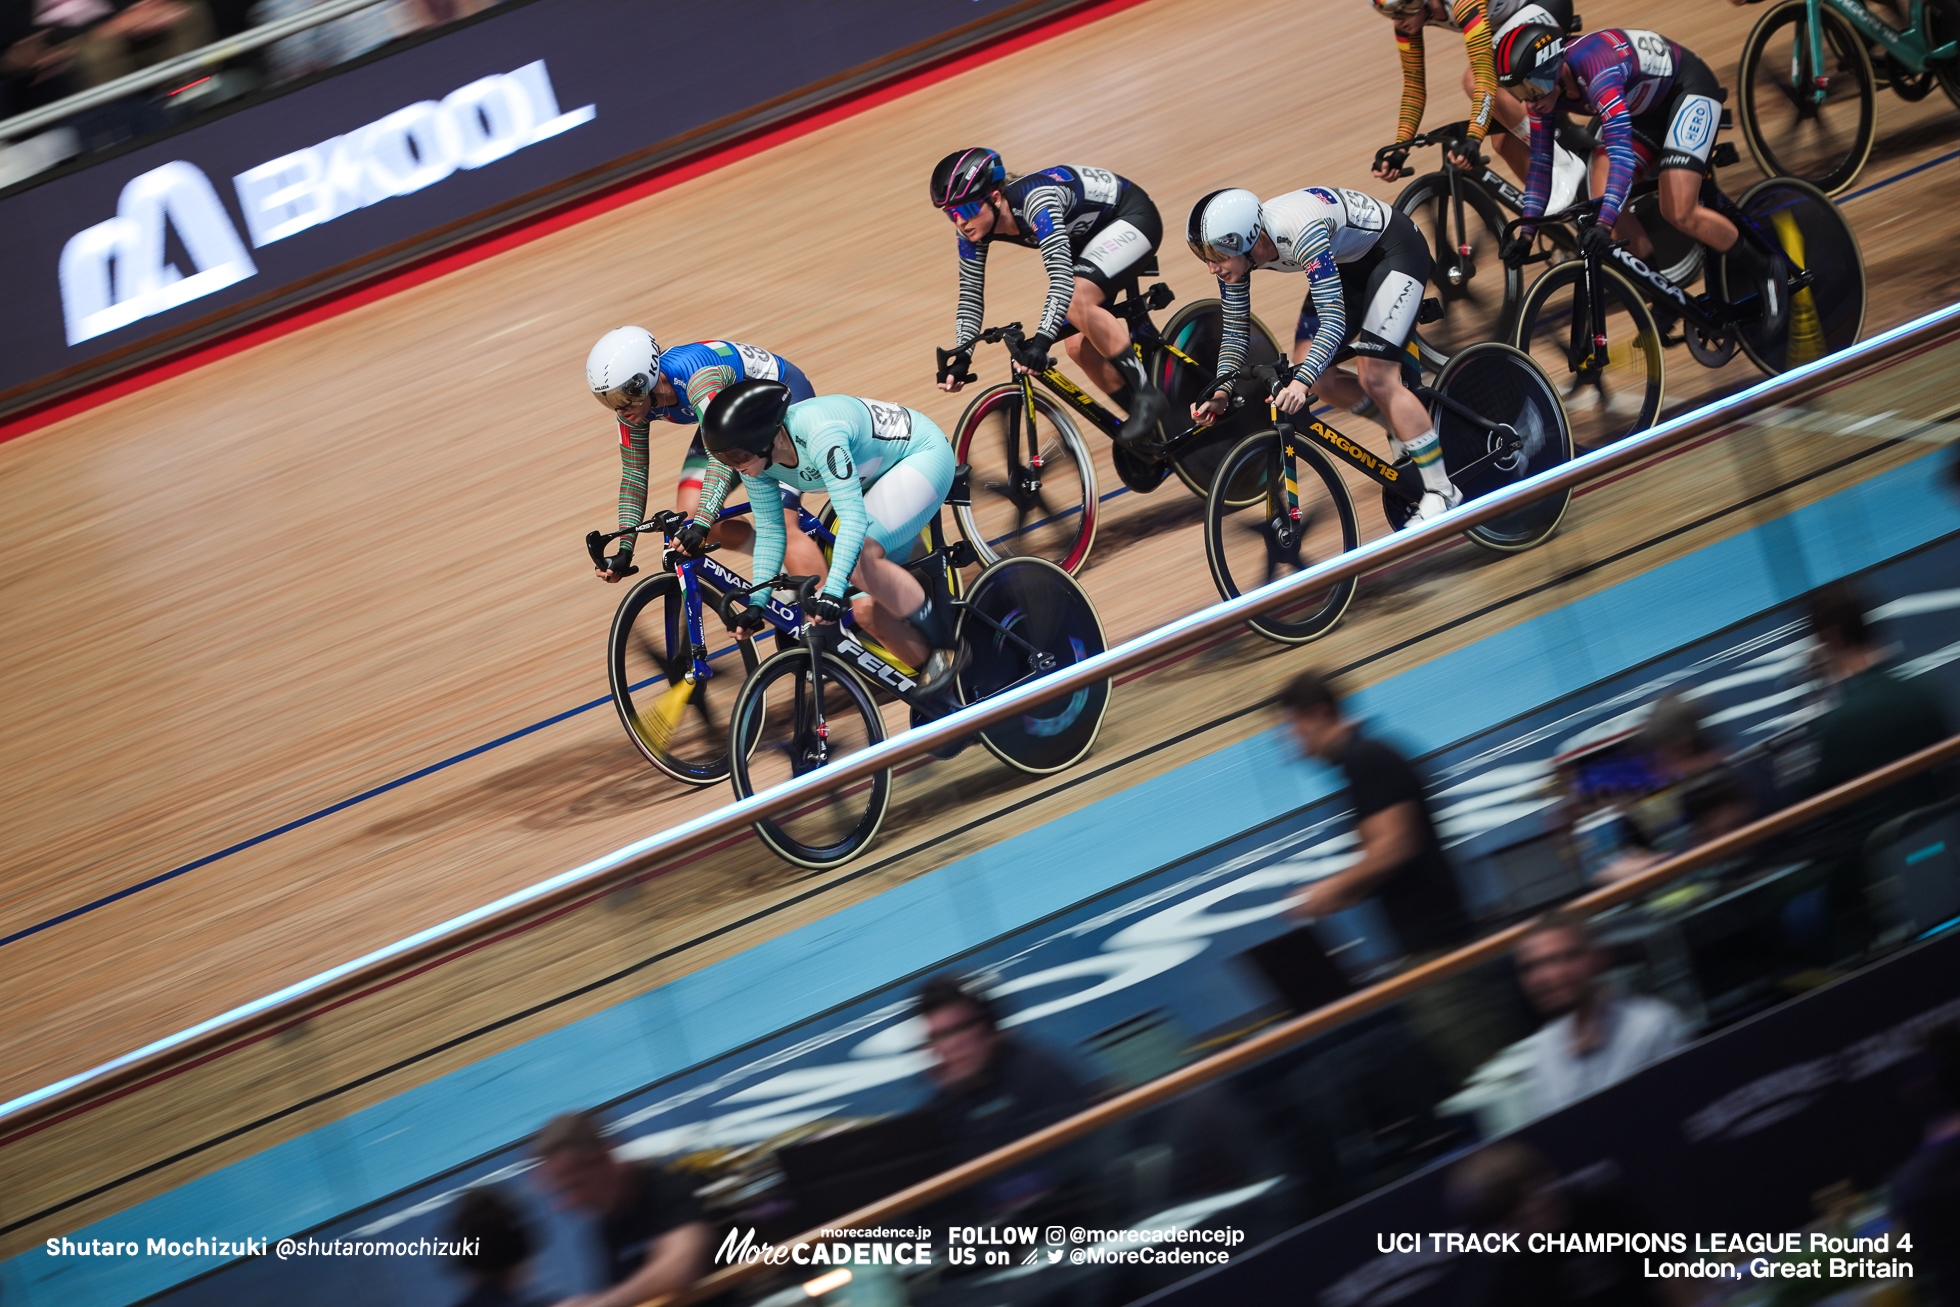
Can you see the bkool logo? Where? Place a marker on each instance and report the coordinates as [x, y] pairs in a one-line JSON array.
[[404, 152], [117, 272]]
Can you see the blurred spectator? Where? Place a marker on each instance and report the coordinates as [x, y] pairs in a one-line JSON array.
[[1402, 868], [38, 44], [1926, 1190], [1510, 1188], [319, 48], [655, 1238], [1878, 717], [143, 33], [497, 1245], [1689, 795], [992, 1089], [1594, 1035]]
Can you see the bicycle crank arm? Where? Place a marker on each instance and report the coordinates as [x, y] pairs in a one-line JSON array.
[[1457, 407], [1030, 650]]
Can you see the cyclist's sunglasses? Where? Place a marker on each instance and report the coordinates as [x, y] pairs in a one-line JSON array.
[[966, 212], [1399, 8], [1212, 253], [1537, 88], [622, 396]]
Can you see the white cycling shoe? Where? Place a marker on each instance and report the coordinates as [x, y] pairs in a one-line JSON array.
[[1433, 506]]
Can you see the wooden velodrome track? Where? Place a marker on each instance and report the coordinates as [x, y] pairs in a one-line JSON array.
[[280, 580]]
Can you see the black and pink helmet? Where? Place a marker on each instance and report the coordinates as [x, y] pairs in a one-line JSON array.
[[965, 176]]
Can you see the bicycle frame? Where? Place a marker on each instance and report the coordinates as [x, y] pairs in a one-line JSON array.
[[1713, 316], [788, 619], [1909, 48], [1402, 481]]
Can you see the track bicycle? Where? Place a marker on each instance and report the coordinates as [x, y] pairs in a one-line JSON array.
[[1809, 81], [1033, 479], [1462, 212], [1020, 619], [1279, 504], [1791, 291]]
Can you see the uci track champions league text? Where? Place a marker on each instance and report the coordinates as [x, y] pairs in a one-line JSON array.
[[1720, 1255]]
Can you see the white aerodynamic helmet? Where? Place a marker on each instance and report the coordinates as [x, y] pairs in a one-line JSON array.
[[622, 366], [1223, 224]]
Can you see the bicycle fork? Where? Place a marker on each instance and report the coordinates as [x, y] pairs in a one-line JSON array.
[[1284, 527]]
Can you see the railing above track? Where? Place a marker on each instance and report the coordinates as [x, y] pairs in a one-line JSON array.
[[1289, 1034], [291, 1005], [196, 61]]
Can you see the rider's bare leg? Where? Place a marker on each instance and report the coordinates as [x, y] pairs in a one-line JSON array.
[[896, 594]]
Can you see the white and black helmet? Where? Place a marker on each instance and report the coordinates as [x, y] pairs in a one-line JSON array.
[[623, 366], [1224, 224]]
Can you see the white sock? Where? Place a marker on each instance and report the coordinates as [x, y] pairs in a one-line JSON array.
[[1427, 453]]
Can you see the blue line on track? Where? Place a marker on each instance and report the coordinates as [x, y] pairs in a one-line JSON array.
[[1901, 176]]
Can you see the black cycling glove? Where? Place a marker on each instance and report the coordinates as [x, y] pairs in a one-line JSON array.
[[620, 563], [1033, 353], [1516, 251], [1595, 240], [826, 608], [692, 540]]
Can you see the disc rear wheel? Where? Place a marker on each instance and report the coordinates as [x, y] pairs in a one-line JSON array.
[[1026, 619], [1797, 326], [1503, 385]]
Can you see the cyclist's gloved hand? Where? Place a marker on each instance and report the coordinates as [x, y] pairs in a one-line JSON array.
[[953, 367], [825, 608], [1516, 251], [618, 565], [1389, 160], [1033, 353], [1595, 240], [692, 540], [747, 618]]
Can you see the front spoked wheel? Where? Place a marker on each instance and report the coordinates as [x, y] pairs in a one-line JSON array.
[[1804, 325], [1502, 384], [1252, 537], [1789, 133], [1197, 329], [679, 727], [777, 734], [1022, 508], [1603, 403], [1026, 619], [1478, 289]]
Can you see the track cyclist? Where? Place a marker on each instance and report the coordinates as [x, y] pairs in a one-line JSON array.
[[1366, 265], [638, 382], [886, 469], [1659, 108], [1481, 22], [1091, 226]]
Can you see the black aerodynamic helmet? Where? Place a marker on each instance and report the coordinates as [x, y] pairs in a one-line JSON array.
[[965, 176], [1531, 53], [745, 417]]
